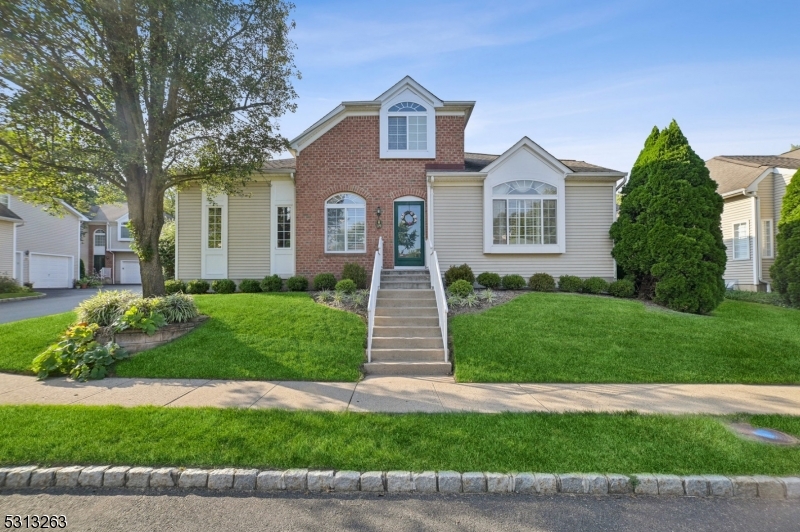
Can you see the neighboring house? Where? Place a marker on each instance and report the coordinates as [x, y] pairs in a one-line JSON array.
[[106, 245], [753, 187], [8, 238], [47, 249], [395, 167]]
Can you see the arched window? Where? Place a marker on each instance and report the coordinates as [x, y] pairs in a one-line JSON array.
[[345, 224], [524, 212], [407, 129]]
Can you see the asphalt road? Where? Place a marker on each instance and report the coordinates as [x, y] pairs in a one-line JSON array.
[[56, 301], [179, 511]]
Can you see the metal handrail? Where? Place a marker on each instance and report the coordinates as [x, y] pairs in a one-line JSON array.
[[374, 286], [438, 289]]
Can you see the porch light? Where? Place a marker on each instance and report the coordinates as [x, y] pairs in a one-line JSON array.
[[378, 222]]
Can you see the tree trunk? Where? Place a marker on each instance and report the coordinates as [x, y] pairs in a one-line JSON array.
[[146, 214]]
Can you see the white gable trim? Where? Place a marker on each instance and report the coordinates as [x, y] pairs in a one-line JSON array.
[[541, 153], [754, 185], [409, 83]]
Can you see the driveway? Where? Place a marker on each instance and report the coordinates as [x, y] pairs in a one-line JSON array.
[[57, 301]]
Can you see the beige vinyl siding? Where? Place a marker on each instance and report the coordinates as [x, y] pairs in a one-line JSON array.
[[114, 243], [738, 209], [47, 234], [249, 233], [767, 208], [6, 248], [458, 234], [188, 231]]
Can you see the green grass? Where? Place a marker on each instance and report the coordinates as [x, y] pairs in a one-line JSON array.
[[767, 298], [553, 337], [260, 336], [15, 295], [623, 443], [21, 341]]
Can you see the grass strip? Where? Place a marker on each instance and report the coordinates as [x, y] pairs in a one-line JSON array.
[[584, 442], [21, 341]]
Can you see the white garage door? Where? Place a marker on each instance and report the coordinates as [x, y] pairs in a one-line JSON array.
[[50, 271], [130, 272]]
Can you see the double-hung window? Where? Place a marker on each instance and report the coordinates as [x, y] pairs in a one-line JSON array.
[[524, 212], [214, 227], [408, 127], [741, 241], [345, 224], [768, 240]]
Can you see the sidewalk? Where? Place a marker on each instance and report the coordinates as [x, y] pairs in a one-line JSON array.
[[406, 394]]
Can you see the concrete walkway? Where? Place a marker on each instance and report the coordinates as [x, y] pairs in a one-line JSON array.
[[404, 394]]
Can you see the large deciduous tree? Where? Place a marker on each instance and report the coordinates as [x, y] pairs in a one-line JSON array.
[[668, 235], [138, 96], [786, 270]]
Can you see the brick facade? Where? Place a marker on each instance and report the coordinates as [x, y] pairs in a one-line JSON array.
[[347, 159]]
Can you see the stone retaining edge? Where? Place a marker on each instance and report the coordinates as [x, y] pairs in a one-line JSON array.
[[23, 298], [305, 480]]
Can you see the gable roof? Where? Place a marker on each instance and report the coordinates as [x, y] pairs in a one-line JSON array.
[[476, 162], [792, 154], [777, 161], [273, 165], [8, 215], [735, 173], [109, 212]]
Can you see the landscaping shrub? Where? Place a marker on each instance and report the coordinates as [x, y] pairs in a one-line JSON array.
[[513, 282], [542, 282], [272, 283], [166, 250], [595, 285], [177, 308], [461, 288], [105, 307], [347, 286], [198, 286], [223, 286], [622, 288], [9, 285], [570, 283], [489, 280], [298, 283], [668, 234], [356, 273], [325, 281], [82, 270], [250, 286], [456, 273], [78, 354], [786, 269], [147, 320], [173, 286]]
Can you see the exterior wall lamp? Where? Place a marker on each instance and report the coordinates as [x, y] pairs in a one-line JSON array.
[[378, 222]]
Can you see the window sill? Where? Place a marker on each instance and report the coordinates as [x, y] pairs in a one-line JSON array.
[[553, 249], [346, 253]]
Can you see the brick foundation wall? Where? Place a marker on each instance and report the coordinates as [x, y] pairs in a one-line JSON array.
[[347, 159]]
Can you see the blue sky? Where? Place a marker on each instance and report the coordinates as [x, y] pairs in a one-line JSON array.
[[585, 80]]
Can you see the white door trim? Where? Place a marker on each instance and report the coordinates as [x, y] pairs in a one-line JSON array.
[[214, 261]]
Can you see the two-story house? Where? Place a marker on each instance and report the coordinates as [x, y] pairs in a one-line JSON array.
[[753, 187], [395, 167], [106, 245]]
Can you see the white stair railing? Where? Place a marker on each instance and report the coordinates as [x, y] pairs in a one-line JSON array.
[[375, 285], [438, 289]]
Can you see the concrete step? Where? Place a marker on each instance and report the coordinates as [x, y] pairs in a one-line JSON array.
[[397, 331], [406, 285], [405, 321], [408, 368], [406, 272], [405, 294], [406, 301], [407, 312], [407, 355], [405, 342]]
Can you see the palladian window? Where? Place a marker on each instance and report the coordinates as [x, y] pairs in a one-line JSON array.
[[345, 224], [524, 212], [408, 127]]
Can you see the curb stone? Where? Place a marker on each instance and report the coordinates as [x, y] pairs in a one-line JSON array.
[[709, 486]]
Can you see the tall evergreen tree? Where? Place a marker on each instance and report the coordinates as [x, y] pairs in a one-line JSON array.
[[786, 270], [668, 235]]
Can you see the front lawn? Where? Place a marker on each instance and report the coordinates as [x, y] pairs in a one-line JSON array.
[[284, 336], [21, 341], [555, 337], [601, 443]]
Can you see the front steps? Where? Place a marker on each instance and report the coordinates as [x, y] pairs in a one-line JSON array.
[[406, 338]]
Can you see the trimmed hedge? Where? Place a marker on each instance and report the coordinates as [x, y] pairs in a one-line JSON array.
[[595, 285], [513, 282], [197, 286], [298, 283], [489, 280], [786, 270], [570, 283], [346, 285], [622, 288], [223, 286], [324, 281], [250, 286], [356, 273], [456, 273], [461, 288], [272, 283], [542, 282], [173, 286]]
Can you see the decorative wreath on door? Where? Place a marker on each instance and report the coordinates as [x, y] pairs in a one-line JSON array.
[[408, 218]]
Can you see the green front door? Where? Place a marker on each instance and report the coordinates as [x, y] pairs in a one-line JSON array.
[[409, 233]]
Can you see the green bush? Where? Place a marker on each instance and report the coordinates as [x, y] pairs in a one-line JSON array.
[[542, 282], [166, 250], [356, 273], [198, 286], [9, 285], [786, 269], [177, 308], [173, 286], [595, 285], [347, 286], [461, 288], [570, 283], [513, 282], [272, 283], [456, 273], [223, 286], [82, 270], [250, 286], [105, 307], [622, 288], [78, 354], [298, 283], [146, 320], [489, 280], [325, 281]]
